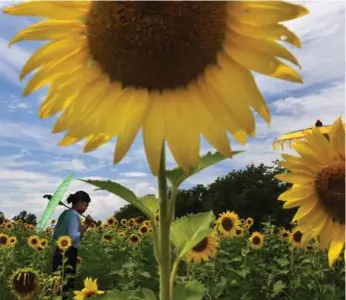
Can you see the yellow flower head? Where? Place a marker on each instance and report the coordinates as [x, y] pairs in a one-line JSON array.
[[227, 223], [182, 57], [318, 178], [239, 231], [24, 283], [12, 240], [90, 289], [33, 241], [285, 235], [134, 239], [249, 222], [204, 250], [256, 240], [123, 222], [121, 234], [43, 243], [143, 230], [64, 242], [9, 226], [111, 221], [4, 240], [297, 238]]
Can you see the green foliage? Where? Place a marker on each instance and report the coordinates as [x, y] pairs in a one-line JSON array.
[[177, 176], [188, 231], [189, 290], [27, 218]]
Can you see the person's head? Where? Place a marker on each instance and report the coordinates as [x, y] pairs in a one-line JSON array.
[[80, 201]]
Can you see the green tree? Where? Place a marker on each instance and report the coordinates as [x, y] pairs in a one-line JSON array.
[[27, 218], [2, 217]]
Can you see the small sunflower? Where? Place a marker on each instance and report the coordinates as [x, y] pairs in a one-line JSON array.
[[227, 223], [309, 248], [107, 238], [40, 248], [318, 178], [33, 241], [49, 230], [132, 222], [256, 240], [53, 221], [242, 221], [64, 242], [143, 230], [134, 239], [239, 231], [150, 230], [249, 222], [25, 283], [12, 240], [111, 221], [90, 289], [275, 230], [123, 222], [121, 233], [43, 243], [297, 238], [146, 223], [204, 250], [4, 240], [182, 57], [9, 226], [105, 226], [285, 235]]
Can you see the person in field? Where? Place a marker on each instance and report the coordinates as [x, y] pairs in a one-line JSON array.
[[69, 224]]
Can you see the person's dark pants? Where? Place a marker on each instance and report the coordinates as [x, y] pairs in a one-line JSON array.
[[71, 254]]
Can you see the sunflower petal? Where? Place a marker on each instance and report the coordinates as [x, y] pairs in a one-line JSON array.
[[336, 245]]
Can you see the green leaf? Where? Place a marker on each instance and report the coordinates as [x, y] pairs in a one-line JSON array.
[[151, 203], [188, 231], [282, 261], [189, 290], [278, 287], [122, 192], [126, 295], [147, 294], [216, 292], [177, 176]]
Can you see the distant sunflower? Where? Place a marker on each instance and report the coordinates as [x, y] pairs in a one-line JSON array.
[[134, 239], [25, 283], [150, 230], [105, 226], [40, 248], [249, 222], [9, 226], [318, 178], [182, 57], [275, 230], [4, 240], [227, 223], [123, 222], [64, 242], [12, 240], [309, 248], [239, 231], [143, 230], [49, 230], [146, 223], [132, 222], [107, 238], [297, 237], [256, 240], [53, 221], [43, 243], [285, 235], [33, 241], [90, 289], [111, 221], [204, 250], [121, 234], [242, 221]]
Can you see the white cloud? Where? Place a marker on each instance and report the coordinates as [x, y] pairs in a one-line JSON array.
[[134, 174]]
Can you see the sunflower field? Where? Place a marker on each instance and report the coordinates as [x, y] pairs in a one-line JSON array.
[[232, 263]]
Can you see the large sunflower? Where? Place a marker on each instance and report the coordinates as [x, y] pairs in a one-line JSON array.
[[4, 240], [318, 178], [227, 223], [25, 283], [90, 289], [33, 241], [114, 67], [204, 250]]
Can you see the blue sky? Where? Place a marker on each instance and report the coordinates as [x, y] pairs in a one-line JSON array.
[[31, 163]]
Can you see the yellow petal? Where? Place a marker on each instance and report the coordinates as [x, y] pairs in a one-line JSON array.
[[59, 10], [261, 63], [326, 234], [336, 245], [53, 51], [293, 161], [297, 192], [261, 46], [68, 64], [181, 134], [268, 32], [244, 86], [297, 178], [337, 137], [131, 115], [95, 141], [153, 131], [49, 30], [265, 12]]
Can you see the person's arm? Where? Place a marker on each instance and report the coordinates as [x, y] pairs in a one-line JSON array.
[[73, 228]]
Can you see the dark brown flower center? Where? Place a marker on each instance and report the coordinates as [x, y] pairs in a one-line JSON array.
[[238, 231], [201, 246], [64, 243], [155, 45], [256, 240], [297, 236], [34, 241], [25, 283], [330, 186], [134, 239], [3, 240], [227, 224], [110, 222], [107, 237], [285, 235]]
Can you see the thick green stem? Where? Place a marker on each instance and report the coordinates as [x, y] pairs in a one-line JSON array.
[[165, 222], [172, 278]]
